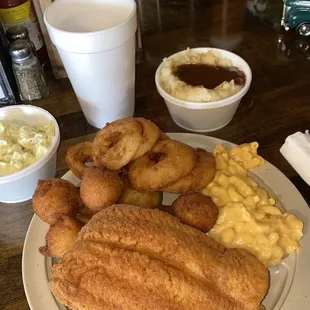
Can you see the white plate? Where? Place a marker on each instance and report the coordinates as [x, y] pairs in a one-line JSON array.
[[290, 281]]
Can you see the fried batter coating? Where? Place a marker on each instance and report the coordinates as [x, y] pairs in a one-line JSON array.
[[150, 135], [163, 136], [165, 208], [55, 198], [116, 144], [144, 199], [86, 211], [129, 257], [100, 188], [196, 210], [84, 214], [61, 237], [169, 161], [78, 155], [202, 174]]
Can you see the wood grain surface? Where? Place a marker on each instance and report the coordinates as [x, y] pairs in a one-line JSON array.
[[276, 106]]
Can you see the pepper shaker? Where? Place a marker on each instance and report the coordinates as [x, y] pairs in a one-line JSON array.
[[19, 32], [28, 72]]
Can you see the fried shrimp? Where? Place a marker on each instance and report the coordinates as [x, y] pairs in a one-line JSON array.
[[150, 136], [202, 174], [168, 161], [78, 155], [100, 188], [55, 198], [61, 237], [116, 144]]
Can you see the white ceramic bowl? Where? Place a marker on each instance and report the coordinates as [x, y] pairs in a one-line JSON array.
[[206, 116], [20, 186]]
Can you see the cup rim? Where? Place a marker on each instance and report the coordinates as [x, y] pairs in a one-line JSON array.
[[210, 104], [89, 33], [43, 160]]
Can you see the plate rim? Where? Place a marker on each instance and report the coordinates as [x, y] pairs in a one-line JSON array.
[[296, 297]]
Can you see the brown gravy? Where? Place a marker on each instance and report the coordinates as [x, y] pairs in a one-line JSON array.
[[208, 76]]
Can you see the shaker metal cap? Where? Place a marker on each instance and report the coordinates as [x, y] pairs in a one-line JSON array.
[[20, 50], [16, 33]]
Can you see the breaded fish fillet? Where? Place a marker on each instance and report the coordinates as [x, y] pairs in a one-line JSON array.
[[128, 257]]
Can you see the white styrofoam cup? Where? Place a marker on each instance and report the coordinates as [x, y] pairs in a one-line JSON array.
[[20, 186], [96, 42], [205, 116]]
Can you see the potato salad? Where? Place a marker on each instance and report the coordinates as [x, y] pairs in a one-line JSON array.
[[23, 145]]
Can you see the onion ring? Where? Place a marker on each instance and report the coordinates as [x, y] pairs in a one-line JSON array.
[[116, 144], [168, 162], [198, 178], [78, 155], [150, 136]]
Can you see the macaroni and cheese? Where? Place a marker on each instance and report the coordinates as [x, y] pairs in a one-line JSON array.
[[248, 217], [21, 146]]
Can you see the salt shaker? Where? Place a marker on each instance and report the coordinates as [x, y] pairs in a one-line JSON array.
[[28, 72]]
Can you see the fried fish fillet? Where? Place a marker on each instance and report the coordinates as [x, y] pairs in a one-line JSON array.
[[128, 257]]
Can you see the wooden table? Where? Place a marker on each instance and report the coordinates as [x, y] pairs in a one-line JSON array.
[[276, 106]]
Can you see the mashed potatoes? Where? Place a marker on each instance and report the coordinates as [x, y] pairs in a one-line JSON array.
[[21, 146], [178, 89], [248, 217]]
